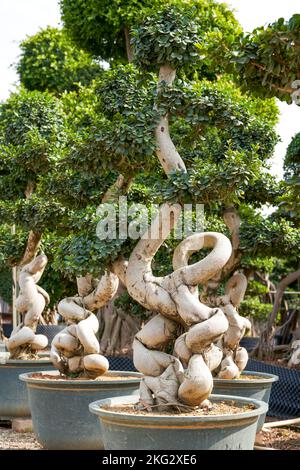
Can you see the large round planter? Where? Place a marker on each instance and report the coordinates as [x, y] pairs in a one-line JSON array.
[[125, 431], [13, 393], [258, 389], [60, 413]]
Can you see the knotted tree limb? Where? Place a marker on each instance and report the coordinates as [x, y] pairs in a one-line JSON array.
[[235, 358], [183, 320], [76, 348], [30, 303]]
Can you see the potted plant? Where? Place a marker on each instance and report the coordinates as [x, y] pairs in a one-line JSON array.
[[175, 408], [82, 374], [230, 377], [31, 139]]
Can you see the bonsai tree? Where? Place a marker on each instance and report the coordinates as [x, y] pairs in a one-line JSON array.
[[267, 61], [50, 62], [130, 110], [31, 127], [63, 65]]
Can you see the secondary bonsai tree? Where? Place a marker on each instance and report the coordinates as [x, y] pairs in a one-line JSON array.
[[50, 62], [268, 59], [32, 135], [267, 62]]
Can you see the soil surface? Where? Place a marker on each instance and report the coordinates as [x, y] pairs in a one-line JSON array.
[[10, 440], [221, 408], [279, 438], [251, 377], [102, 378]]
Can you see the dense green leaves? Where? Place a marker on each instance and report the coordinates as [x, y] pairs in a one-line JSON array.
[[50, 62], [169, 37], [98, 26], [32, 131], [268, 60]]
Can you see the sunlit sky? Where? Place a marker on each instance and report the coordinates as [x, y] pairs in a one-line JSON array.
[[19, 18]]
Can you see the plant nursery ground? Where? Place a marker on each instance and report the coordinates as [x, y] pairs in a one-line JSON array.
[[276, 438]]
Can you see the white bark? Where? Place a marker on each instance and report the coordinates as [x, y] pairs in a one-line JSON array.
[[174, 297], [235, 358], [30, 303], [166, 151], [76, 348]]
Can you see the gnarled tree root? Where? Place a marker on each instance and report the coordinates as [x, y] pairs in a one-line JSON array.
[[23, 342]]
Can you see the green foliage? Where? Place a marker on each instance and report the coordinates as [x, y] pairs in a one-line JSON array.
[[50, 62], [12, 246], [292, 158], [177, 33], [265, 236], [252, 307], [168, 37], [256, 288], [268, 59], [98, 25], [258, 263], [32, 132], [34, 213], [205, 182]]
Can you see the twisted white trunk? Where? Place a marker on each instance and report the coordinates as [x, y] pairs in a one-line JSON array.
[[181, 314], [168, 156], [76, 348], [30, 304], [235, 358]]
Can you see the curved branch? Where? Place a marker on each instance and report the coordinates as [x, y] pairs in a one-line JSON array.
[[166, 150], [30, 303]]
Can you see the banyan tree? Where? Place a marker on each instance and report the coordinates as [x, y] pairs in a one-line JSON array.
[[211, 143], [32, 138]]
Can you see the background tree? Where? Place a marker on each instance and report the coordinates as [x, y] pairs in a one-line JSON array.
[[102, 28], [267, 62], [50, 62], [32, 137], [267, 59]]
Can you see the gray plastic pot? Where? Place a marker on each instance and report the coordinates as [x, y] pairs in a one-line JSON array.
[[125, 431], [60, 413], [13, 393], [258, 389]]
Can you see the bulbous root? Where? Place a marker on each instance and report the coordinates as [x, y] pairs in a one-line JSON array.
[[235, 358], [75, 350], [23, 342], [184, 321]]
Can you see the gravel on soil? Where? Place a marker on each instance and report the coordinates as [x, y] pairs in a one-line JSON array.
[[279, 438], [11, 440]]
